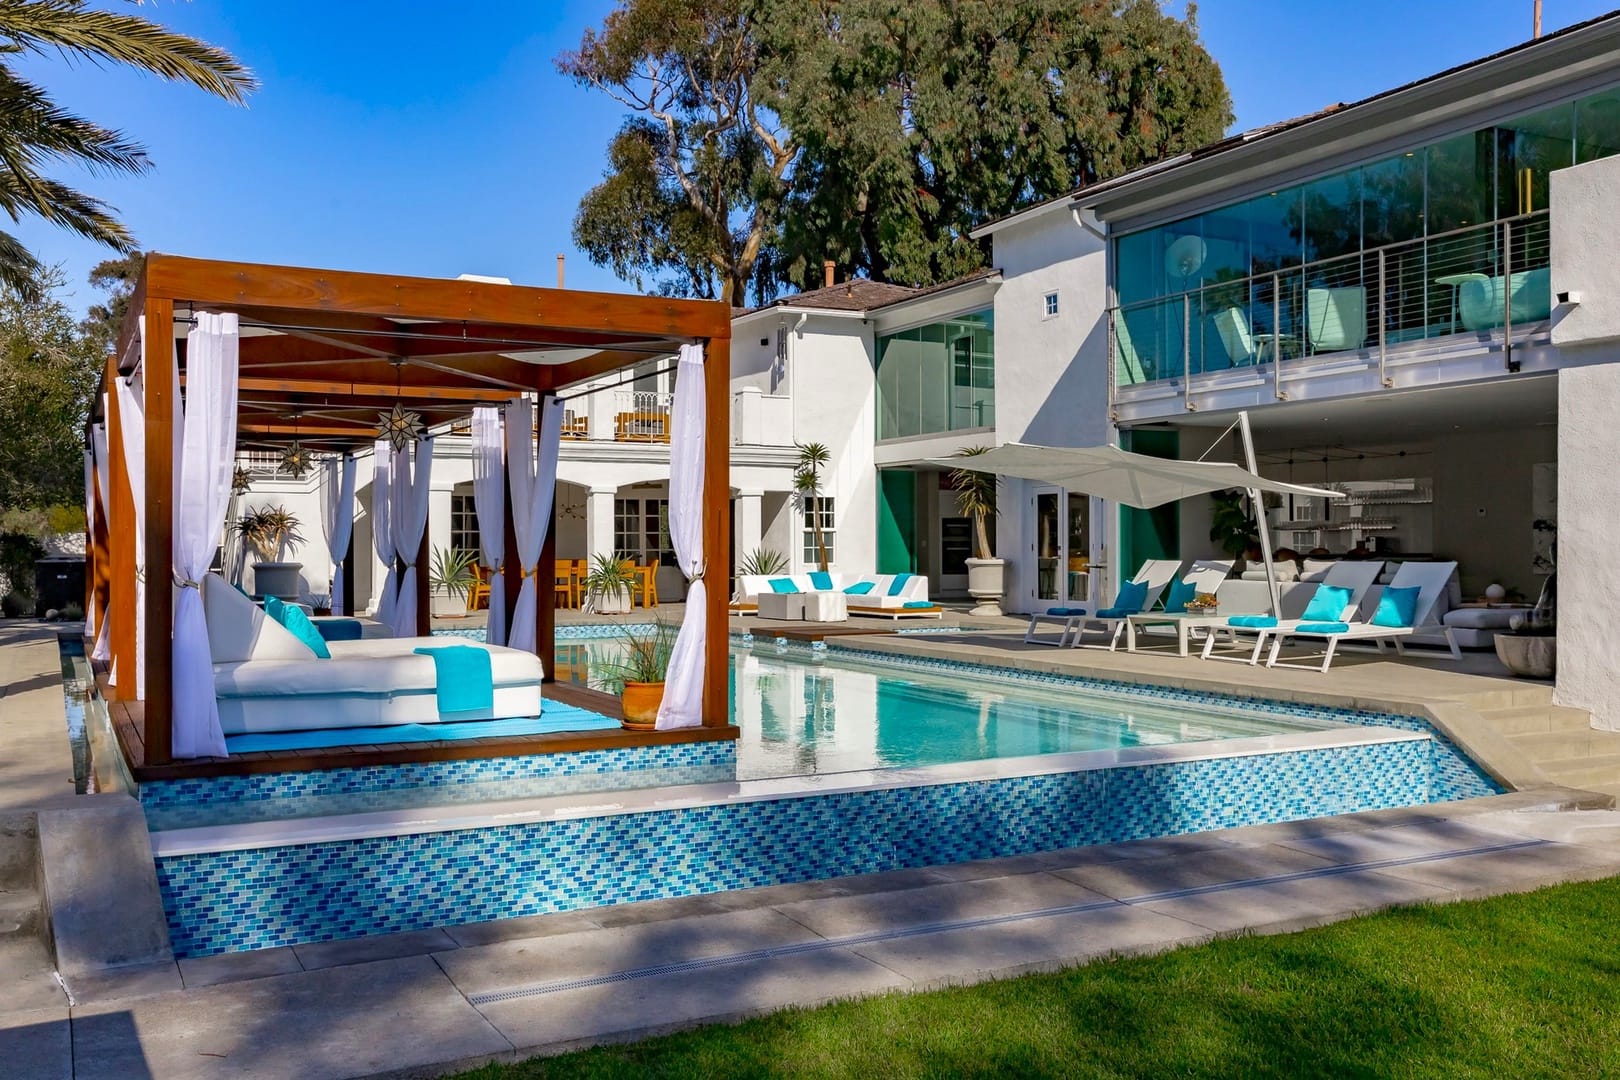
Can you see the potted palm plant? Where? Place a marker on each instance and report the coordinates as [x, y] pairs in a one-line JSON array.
[[976, 499], [608, 584], [638, 677], [272, 532], [813, 457], [450, 576]]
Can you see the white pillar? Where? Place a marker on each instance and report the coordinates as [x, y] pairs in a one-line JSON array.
[[747, 522], [1588, 521], [599, 522]]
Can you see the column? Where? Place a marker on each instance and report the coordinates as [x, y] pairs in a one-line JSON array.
[[161, 384], [1588, 673], [599, 522], [748, 522], [717, 531]]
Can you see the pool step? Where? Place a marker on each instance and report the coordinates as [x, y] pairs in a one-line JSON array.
[[26, 969], [1537, 719], [1591, 770]]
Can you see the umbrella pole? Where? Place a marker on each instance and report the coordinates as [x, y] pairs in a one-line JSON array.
[[1260, 516]]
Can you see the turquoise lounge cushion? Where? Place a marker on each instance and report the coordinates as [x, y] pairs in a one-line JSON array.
[[1117, 612], [1068, 612], [340, 629], [820, 579], [1131, 599], [917, 604], [1328, 603], [898, 585], [237, 585], [1253, 622], [297, 624], [1323, 628], [1180, 593], [783, 585], [860, 588], [1396, 607]]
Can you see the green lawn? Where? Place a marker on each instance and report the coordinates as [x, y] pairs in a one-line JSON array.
[[1514, 986]]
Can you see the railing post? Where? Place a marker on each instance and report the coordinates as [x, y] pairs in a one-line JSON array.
[[1276, 336], [1186, 352], [1507, 296], [1383, 323]]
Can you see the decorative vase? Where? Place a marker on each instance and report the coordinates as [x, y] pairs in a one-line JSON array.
[[640, 702], [986, 584], [1529, 656], [278, 579], [610, 603]]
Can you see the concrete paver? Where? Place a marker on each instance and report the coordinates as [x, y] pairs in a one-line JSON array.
[[237, 967], [1143, 877], [36, 1044], [1296, 905], [953, 902], [323, 954]]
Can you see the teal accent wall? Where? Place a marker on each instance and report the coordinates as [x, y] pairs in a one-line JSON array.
[[897, 521], [1155, 533]]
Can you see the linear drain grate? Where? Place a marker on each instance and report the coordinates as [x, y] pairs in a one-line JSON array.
[[681, 967]]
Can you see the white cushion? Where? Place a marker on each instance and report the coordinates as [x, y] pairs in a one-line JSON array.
[[1500, 618], [238, 629], [507, 667], [1316, 569]]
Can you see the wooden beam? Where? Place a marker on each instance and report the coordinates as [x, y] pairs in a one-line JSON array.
[[129, 332], [299, 288], [121, 564], [386, 391], [160, 379], [717, 531], [275, 427]]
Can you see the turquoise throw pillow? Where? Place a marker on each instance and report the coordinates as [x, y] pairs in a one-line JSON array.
[[1180, 593], [860, 588], [821, 580], [1328, 604], [1132, 597], [898, 585], [783, 585], [1397, 607], [298, 624]]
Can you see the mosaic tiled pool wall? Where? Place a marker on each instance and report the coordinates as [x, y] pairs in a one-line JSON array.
[[1456, 775], [258, 898], [702, 762]]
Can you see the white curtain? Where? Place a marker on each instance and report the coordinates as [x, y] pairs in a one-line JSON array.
[[202, 487], [132, 429], [489, 500], [410, 512], [683, 685], [533, 488], [98, 443], [382, 527], [337, 521]]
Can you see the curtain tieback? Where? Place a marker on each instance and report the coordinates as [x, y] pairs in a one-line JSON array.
[[702, 569], [530, 571], [187, 583]]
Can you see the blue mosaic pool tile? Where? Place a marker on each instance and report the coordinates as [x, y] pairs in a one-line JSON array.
[[202, 791], [252, 899]]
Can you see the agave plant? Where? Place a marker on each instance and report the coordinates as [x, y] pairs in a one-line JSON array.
[[269, 531], [452, 571], [763, 562]]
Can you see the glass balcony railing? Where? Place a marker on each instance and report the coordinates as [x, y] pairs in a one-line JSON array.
[[1470, 280]]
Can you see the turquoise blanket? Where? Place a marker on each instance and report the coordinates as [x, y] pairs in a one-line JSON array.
[[463, 680]]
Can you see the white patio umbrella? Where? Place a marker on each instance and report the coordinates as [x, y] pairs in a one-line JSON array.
[[1136, 479]]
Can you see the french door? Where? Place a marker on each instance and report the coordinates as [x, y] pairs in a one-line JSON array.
[[1059, 547]]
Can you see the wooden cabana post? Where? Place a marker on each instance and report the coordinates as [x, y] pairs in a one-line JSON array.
[[322, 353]]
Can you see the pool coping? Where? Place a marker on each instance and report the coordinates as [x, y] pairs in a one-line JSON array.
[[498, 813]]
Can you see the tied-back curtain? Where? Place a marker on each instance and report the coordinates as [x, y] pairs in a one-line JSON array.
[[132, 429], [98, 444], [337, 521], [411, 490], [489, 501], [683, 685], [202, 487], [533, 486], [382, 527]]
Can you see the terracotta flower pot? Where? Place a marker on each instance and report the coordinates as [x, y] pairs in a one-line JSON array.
[[640, 701]]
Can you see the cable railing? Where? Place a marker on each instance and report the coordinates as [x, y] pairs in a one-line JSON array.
[[1477, 279]]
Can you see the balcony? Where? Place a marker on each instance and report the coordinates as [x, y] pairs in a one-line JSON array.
[[642, 417], [1368, 319]]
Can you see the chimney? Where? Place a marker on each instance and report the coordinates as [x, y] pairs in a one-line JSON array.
[[827, 273], [560, 271]]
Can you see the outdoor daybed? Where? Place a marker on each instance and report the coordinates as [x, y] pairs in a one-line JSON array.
[[896, 596], [266, 679]]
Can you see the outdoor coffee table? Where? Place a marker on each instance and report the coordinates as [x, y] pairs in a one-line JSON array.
[[1183, 621]]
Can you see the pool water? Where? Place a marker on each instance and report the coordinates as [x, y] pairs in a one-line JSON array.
[[806, 711]]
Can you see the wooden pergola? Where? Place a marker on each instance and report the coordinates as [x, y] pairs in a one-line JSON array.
[[323, 352]]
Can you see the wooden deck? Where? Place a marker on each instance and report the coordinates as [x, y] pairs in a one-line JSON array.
[[128, 720]]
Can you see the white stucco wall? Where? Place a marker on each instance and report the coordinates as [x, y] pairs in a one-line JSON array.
[[1583, 202], [834, 395], [1588, 523]]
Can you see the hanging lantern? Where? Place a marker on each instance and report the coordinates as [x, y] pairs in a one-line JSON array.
[[399, 427], [241, 480], [296, 460]]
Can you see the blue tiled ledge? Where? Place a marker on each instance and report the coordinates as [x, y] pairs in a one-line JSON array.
[[257, 898]]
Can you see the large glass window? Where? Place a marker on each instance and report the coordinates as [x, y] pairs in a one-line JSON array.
[[641, 531], [1527, 151], [819, 508], [463, 522], [936, 378]]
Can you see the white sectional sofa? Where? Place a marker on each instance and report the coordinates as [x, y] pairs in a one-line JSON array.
[[268, 680], [889, 594]]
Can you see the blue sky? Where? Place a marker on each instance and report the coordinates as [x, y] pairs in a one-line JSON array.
[[438, 139]]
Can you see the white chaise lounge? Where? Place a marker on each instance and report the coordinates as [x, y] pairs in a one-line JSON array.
[[268, 680], [1354, 576], [1154, 573], [1386, 622]]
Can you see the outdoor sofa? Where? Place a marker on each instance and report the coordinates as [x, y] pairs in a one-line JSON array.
[[895, 596]]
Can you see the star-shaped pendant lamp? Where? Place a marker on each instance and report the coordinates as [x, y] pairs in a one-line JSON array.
[[399, 426], [241, 480], [296, 459]]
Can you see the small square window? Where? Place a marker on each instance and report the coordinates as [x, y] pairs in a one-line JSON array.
[[1051, 304]]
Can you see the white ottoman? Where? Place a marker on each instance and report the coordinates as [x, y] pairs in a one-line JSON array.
[[773, 605], [825, 607]]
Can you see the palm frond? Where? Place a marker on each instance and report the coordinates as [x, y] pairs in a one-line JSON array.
[[102, 36], [61, 205], [41, 128], [19, 269]]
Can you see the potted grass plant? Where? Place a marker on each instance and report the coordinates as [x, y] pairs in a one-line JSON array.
[[450, 576], [272, 532], [608, 584], [638, 676], [976, 499]]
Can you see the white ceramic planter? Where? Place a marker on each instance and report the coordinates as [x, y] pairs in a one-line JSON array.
[[278, 579], [445, 605], [616, 603], [986, 584]]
